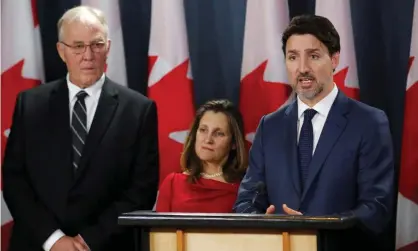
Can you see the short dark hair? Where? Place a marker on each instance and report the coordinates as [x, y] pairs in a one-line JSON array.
[[236, 165], [318, 26]]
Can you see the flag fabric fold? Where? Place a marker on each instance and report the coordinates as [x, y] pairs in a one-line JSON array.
[[21, 69], [116, 67], [407, 211], [170, 81], [263, 74], [339, 13]]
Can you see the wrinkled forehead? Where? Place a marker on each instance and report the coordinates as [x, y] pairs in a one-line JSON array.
[[87, 28]]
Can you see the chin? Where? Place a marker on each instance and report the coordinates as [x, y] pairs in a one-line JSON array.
[[205, 157], [308, 95], [89, 80]]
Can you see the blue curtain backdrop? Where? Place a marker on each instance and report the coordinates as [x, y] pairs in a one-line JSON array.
[[382, 35]]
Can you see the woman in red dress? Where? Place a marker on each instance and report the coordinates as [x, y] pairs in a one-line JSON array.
[[214, 161]]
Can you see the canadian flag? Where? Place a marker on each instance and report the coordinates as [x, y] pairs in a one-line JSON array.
[[21, 68], [169, 82], [407, 213], [115, 69], [263, 74], [339, 13]]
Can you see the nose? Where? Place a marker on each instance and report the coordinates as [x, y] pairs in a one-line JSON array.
[[304, 65], [88, 54], [209, 139]]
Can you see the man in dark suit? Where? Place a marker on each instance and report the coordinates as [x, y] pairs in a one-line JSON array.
[[323, 153], [82, 150]]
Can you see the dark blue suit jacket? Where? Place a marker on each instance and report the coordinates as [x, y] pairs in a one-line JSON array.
[[352, 169]]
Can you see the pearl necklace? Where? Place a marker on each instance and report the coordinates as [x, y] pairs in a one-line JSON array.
[[205, 175]]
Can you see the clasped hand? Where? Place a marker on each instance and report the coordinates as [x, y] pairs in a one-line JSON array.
[[67, 243], [286, 209]]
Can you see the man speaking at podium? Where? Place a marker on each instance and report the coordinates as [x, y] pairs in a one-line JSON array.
[[324, 153]]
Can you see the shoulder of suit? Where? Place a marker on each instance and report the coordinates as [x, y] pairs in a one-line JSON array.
[[365, 111], [44, 88], [129, 93], [279, 113]]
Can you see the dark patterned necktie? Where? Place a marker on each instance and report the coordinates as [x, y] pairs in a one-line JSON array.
[[79, 127], [305, 147]]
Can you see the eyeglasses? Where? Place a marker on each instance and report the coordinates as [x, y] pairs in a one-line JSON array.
[[81, 48]]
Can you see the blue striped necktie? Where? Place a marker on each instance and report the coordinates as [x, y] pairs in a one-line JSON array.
[[305, 146]]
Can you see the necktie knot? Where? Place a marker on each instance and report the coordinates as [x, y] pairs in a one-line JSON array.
[[81, 95], [309, 114]]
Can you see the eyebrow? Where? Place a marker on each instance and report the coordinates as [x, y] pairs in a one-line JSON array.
[[215, 129], [310, 50], [92, 41]]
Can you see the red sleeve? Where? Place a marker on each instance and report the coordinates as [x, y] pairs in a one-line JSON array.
[[165, 195]]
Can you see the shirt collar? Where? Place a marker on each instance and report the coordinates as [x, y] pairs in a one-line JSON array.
[[92, 90], [322, 107]]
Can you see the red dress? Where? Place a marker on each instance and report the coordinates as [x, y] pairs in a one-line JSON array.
[[204, 196]]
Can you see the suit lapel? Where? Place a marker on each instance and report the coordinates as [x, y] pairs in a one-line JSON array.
[[291, 144], [334, 126], [60, 141], [104, 113]]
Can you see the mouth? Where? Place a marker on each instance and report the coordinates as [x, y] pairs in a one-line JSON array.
[[207, 149], [88, 69], [306, 82]]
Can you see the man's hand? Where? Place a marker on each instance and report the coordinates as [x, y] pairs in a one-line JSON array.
[[81, 240], [290, 211], [286, 209], [270, 209], [67, 243]]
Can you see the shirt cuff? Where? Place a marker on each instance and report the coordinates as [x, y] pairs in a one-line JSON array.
[[55, 236]]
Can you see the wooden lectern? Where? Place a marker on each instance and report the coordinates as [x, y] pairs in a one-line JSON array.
[[230, 232]]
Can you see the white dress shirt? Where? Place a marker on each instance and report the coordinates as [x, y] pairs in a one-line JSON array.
[[318, 121], [91, 101]]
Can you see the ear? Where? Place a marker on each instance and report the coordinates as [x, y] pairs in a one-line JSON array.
[[60, 49], [335, 60], [108, 47]]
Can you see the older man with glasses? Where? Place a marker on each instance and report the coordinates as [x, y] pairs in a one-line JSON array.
[[82, 150]]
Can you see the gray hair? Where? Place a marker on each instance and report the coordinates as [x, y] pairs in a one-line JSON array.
[[82, 14]]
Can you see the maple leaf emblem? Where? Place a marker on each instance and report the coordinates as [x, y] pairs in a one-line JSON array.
[[179, 136], [12, 82], [259, 97], [339, 79], [173, 94]]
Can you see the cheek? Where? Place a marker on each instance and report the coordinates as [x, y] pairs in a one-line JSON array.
[[223, 148], [101, 58], [292, 74], [290, 68], [323, 76], [199, 138], [73, 62], [196, 145], [322, 69]]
